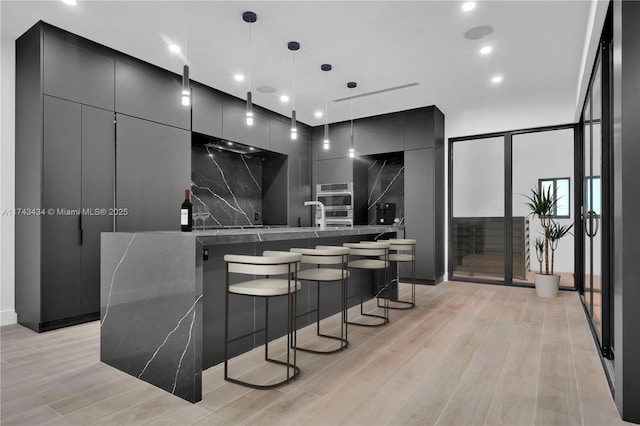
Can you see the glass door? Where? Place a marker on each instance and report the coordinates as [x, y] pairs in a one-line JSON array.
[[478, 222], [596, 287]]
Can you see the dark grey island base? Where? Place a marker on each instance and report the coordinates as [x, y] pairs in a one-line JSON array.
[[162, 298]]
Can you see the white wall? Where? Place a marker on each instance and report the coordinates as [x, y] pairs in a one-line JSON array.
[[7, 181]]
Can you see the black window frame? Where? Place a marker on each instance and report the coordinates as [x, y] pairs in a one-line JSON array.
[[555, 180]]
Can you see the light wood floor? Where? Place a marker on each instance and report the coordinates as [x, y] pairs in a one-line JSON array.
[[468, 354]]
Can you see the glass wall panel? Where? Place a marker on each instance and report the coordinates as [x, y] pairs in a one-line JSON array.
[[477, 234], [542, 160]]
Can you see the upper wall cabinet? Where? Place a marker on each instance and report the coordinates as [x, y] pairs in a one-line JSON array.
[[419, 128], [280, 138], [153, 170], [339, 141], [377, 135], [234, 127], [148, 92], [77, 74], [207, 110]]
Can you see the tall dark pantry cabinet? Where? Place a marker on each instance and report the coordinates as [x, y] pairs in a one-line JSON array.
[[65, 155]]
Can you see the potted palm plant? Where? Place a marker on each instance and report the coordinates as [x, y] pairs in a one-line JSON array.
[[542, 205]]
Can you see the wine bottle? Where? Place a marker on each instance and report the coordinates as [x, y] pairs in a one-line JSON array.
[[186, 213]]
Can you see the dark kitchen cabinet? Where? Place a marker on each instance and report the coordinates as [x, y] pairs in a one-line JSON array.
[[207, 110], [98, 181], [154, 169], [234, 127], [377, 135], [77, 74], [339, 141], [145, 91], [61, 245], [418, 123], [77, 177], [420, 221]]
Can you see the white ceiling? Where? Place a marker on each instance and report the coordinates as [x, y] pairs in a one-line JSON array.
[[538, 48]]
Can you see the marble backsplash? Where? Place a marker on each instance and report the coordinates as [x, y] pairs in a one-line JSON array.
[[385, 184], [229, 184]]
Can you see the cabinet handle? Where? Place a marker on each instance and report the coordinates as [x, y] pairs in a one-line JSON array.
[[80, 227]]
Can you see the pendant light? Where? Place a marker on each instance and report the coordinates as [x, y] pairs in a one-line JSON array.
[[352, 149], [186, 90], [250, 18], [293, 46], [325, 142]]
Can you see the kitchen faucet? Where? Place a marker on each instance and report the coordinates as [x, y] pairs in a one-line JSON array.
[[321, 221]]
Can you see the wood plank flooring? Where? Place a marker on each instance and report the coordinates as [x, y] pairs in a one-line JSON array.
[[468, 354]]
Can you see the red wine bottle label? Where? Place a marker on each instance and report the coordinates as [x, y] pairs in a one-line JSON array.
[[184, 216]]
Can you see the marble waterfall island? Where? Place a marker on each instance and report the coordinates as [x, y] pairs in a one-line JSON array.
[[162, 297]]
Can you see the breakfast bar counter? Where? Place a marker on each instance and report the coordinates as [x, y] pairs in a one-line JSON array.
[[162, 297]]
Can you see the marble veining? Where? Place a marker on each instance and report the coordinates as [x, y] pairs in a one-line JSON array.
[[244, 161], [153, 302], [228, 184], [113, 276], [386, 184]]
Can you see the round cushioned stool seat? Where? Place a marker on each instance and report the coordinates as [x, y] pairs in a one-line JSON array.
[[399, 257], [264, 287], [402, 241], [368, 264], [322, 274]]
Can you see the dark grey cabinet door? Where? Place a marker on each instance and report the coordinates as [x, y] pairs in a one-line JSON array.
[[153, 170], [339, 141], [151, 93], [419, 223], [280, 137], [207, 110], [419, 129], [77, 74], [98, 168], [377, 135], [61, 281], [234, 126]]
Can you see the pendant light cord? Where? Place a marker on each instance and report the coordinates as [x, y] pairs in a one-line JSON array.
[[185, 33], [326, 97], [351, 108], [250, 55], [293, 103]]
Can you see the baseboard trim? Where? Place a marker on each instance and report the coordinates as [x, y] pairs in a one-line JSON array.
[[8, 317]]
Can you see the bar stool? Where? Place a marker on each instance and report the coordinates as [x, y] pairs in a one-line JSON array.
[[269, 264], [374, 256], [326, 255], [401, 246]]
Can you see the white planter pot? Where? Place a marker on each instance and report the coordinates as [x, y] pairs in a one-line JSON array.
[[547, 285]]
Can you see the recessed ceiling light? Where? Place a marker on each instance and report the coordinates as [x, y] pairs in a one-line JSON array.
[[251, 148], [239, 77], [229, 143], [284, 98], [70, 2], [174, 48], [486, 50], [468, 6], [496, 79], [318, 114]]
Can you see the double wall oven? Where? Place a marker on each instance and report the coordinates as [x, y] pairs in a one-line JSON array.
[[338, 202]]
